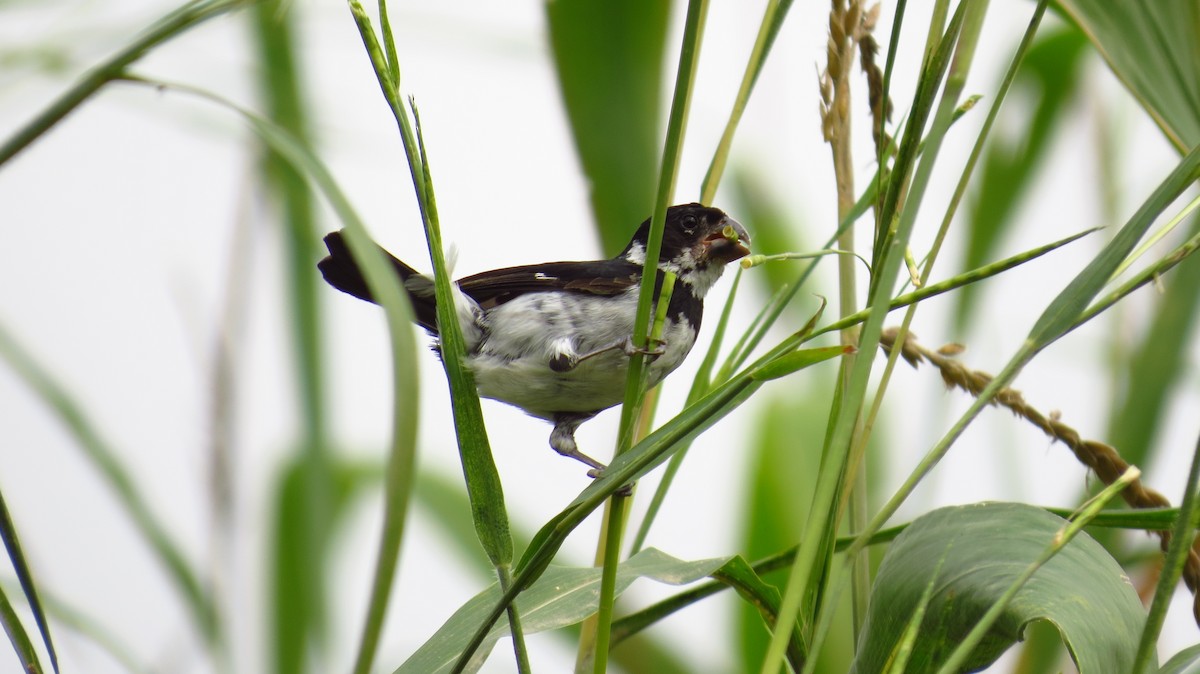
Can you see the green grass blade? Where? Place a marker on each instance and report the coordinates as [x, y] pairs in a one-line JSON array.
[[483, 481], [1052, 69], [631, 408], [309, 517], [959, 281], [773, 16], [107, 461], [385, 287], [75, 621], [1059, 317], [700, 385], [1156, 365], [188, 16], [803, 582], [12, 544], [19, 637]]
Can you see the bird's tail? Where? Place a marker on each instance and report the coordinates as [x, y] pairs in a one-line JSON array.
[[341, 272]]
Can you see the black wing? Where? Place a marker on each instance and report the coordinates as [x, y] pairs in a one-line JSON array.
[[602, 277]]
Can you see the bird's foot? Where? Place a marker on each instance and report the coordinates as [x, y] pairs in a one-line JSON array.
[[567, 361], [625, 490], [630, 349], [562, 440]]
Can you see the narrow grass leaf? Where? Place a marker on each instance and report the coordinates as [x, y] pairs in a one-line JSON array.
[[107, 461], [19, 637], [1186, 661], [1059, 317], [1009, 165], [798, 360], [385, 287], [1156, 365], [187, 16], [279, 87], [12, 544], [773, 16]]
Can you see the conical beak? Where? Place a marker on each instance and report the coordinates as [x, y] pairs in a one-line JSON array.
[[730, 242]]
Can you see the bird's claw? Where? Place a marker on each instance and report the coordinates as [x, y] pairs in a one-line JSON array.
[[597, 473], [631, 349]]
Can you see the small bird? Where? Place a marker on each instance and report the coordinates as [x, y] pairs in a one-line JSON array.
[[554, 339]]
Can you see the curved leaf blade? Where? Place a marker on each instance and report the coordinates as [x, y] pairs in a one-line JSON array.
[[1082, 590]]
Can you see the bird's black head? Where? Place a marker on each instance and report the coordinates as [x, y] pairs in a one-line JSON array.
[[698, 241]]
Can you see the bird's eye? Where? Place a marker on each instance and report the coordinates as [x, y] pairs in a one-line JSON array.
[[689, 224]]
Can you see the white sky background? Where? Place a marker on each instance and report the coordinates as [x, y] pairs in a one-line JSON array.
[[118, 228]]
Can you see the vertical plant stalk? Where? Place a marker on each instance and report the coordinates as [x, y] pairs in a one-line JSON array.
[[1182, 536], [635, 381], [773, 16], [284, 104], [805, 578], [846, 24], [479, 470]]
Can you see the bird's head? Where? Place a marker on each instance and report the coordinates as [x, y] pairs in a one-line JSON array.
[[698, 241]]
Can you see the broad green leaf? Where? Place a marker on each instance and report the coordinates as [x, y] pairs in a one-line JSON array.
[[1153, 47], [562, 596], [982, 549], [12, 544], [1186, 661], [609, 60]]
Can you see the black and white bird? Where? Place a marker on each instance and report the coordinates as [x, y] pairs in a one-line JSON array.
[[554, 339]]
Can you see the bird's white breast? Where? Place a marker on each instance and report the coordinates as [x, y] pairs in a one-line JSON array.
[[511, 362]]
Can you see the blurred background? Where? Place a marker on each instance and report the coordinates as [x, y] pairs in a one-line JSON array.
[[144, 267]]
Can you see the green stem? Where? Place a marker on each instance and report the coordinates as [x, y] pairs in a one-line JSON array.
[[1182, 535], [634, 384]]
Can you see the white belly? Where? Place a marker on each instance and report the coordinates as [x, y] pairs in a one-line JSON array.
[[512, 364]]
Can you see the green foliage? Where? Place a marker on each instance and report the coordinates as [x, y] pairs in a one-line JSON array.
[[970, 554], [957, 588]]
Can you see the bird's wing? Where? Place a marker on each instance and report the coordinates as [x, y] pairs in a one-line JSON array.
[[602, 277]]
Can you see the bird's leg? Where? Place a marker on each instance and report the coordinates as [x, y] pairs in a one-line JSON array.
[[562, 439], [565, 362]]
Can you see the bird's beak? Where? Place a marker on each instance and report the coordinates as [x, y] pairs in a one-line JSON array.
[[730, 242]]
